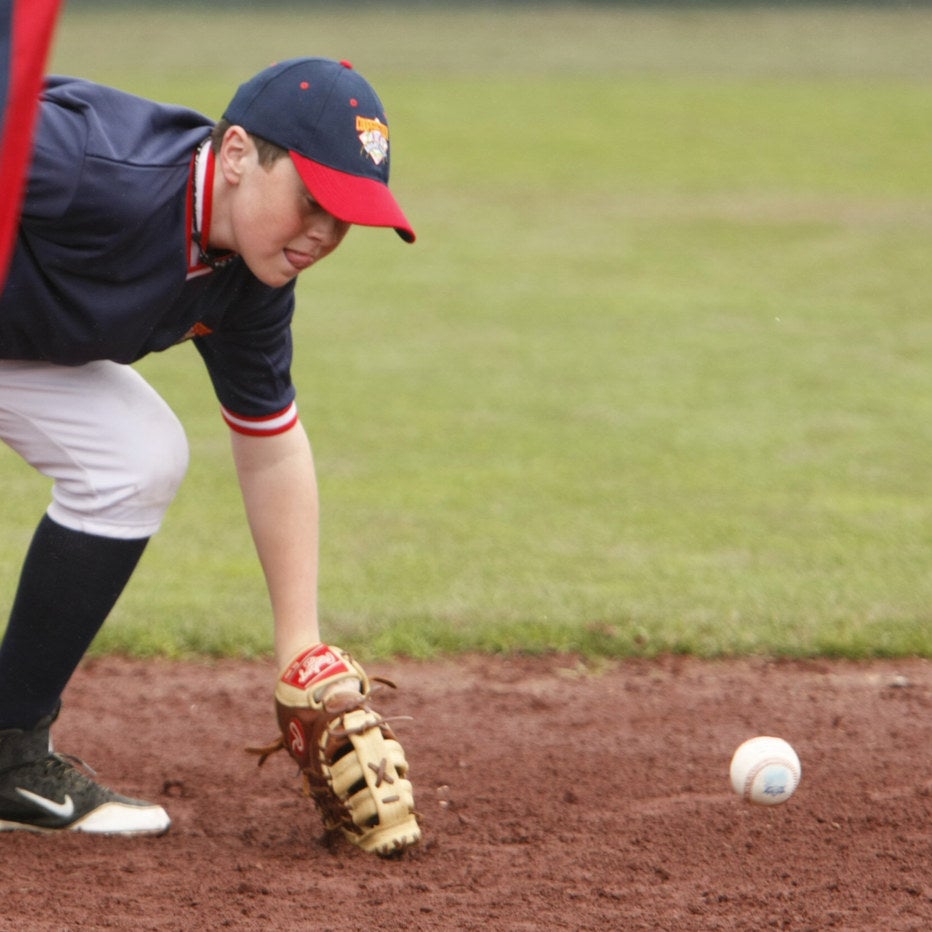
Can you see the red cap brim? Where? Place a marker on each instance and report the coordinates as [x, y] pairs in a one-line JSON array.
[[351, 198]]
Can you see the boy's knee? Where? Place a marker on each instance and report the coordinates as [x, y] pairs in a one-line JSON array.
[[159, 467], [127, 496]]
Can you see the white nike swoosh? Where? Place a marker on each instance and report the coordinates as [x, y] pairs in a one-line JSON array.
[[62, 810]]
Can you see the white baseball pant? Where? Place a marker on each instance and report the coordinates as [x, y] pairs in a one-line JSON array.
[[114, 449]]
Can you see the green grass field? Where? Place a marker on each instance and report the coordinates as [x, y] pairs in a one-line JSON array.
[[657, 375]]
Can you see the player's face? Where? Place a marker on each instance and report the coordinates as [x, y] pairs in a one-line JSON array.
[[276, 225]]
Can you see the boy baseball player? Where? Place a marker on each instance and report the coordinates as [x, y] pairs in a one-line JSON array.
[[145, 226]]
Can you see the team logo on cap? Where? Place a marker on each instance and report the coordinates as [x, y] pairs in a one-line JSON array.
[[373, 135]]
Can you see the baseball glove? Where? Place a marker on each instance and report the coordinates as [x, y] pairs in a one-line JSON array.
[[351, 762]]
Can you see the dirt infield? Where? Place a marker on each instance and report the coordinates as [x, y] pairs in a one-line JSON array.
[[552, 797]]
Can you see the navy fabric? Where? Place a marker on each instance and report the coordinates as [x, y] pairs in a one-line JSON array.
[[43, 644], [322, 99]]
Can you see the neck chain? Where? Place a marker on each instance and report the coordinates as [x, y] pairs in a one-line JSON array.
[[214, 259]]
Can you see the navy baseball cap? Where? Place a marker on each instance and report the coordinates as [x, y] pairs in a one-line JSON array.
[[334, 127]]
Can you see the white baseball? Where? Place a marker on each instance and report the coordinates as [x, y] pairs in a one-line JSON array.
[[765, 771]]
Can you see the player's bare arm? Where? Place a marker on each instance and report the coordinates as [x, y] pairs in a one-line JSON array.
[[279, 486]]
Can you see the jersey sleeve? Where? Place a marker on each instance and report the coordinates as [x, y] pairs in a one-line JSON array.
[[249, 362]]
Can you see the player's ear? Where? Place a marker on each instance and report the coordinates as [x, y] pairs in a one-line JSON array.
[[235, 151]]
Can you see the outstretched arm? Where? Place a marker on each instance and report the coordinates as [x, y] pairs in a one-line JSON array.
[[279, 485], [352, 764]]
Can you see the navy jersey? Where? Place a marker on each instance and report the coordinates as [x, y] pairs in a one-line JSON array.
[[102, 266]]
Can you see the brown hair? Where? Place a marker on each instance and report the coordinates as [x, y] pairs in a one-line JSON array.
[[268, 152]]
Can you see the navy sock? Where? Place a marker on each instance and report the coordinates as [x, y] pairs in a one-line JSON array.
[[69, 583]]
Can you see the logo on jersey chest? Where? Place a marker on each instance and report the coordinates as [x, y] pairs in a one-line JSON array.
[[198, 330]]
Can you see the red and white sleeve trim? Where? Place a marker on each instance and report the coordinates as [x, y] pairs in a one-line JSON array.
[[262, 426]]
